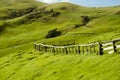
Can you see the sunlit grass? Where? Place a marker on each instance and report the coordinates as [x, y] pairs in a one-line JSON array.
[[19, 60]]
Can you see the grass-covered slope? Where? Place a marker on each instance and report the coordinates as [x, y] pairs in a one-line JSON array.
[[33, 66], [7, 6], [26, 29], [19, 32]]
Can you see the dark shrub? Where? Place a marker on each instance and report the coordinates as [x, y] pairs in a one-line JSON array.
[[63, 8], [51, 10], [77, 25], [53, 33], [118, 13], [55, 14], [20, 12], [85, 19], [2, 26]]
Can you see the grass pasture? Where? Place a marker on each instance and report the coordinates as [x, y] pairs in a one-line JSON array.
[[19, 60]]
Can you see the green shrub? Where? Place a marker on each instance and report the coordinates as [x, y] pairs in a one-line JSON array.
[[53, 33], [85, 20], [20, 12], [118, 13], [55, 14], [63, 8], [78, 25], [2, 26]]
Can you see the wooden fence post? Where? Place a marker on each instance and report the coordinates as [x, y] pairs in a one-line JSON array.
[[100, 49], [60, 50], [79, 49], [72, 49], [57, 51], [87, 49], [94, 48], [53, 50], [83, 49], [35, 46], [45, 48], [90, 49], [39, 47], [114, 46], [66, 51]]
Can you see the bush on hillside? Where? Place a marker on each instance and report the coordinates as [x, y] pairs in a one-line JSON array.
[[118, 13], [53, 33], [63, 8], [43, 15], [77, 25], [20, 12], [55, 14], [85, 19], [2, 26]]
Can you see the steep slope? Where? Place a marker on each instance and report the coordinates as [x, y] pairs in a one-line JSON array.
[[19, 60]]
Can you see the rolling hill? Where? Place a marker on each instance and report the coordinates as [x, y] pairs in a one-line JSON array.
[[23, 22]]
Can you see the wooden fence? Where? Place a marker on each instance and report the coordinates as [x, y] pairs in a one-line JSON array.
[[109, 46], [98, 48]]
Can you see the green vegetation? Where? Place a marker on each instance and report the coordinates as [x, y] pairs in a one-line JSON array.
[[23, 22], [34, 66]]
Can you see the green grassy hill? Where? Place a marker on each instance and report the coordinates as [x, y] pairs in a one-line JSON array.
[[33, 66], [23, 22], [7, 6]]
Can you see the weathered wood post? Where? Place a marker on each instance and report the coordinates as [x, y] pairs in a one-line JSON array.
[[94, 47], [100, 49], [90, 49], [114, 47], [35, 46], [45, 48], [39, 47], [60, 50], [48, 49], [57, 51], [53, 50], [72, 49], [79, 49], [66, 51], [83, 49], [87, 49], [76, 49]]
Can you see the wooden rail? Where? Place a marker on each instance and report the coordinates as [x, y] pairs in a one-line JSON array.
[[98, 48], [110, 46]]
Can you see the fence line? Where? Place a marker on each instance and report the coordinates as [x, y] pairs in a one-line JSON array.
[[60, 43], [98, 48]]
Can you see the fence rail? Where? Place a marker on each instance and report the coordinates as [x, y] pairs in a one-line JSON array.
[[98, 48]]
